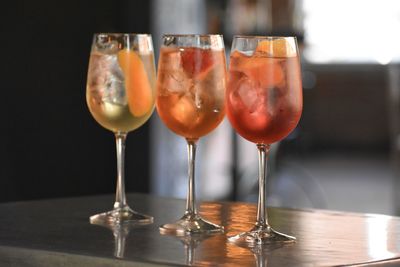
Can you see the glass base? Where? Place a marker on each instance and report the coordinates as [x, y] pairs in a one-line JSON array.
[[190, 225], [119, 216], [261, 236]]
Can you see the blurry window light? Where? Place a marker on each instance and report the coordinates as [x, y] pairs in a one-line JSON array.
[[352, 31]]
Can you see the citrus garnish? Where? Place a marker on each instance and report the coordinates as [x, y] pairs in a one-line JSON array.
[[137, 84], [276, 48]]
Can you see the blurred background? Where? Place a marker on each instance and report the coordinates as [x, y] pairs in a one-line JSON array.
[[344, 154]]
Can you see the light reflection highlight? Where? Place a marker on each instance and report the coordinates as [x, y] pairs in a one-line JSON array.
[[378, 241]]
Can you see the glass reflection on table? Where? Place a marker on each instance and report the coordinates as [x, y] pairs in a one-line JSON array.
[[209, 211], [120, 232], [325, 238]]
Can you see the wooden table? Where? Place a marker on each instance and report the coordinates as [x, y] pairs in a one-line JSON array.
[[57, 233]]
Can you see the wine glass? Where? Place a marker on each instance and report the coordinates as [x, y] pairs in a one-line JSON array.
[[120, 95], [190, 101], [264, 104]]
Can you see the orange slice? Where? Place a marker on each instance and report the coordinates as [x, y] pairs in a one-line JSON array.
[[276, 48], [137, 84], [265, 70]]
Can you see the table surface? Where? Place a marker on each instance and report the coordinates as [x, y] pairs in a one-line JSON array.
[[57, 232]]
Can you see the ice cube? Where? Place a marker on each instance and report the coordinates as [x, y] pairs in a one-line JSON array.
[[205, 99], [202, 95], [268, 102], [170, 59], [184, 110], [104, 45], [272, 96], [173, 78], [176, 82], [258, 118], [209, 87], [247, 92], [261, 68], [106, 79], [267, 72]]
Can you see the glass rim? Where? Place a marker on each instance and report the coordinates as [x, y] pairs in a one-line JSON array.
[[189, 35], [119, 34], [240, 36]]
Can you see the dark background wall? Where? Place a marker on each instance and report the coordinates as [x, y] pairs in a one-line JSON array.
[[50, 144]]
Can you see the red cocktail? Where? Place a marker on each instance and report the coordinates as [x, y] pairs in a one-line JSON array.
[[264, 104]]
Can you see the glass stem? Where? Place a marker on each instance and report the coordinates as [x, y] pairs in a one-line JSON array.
[[191, 199], [120, 199], [262, 218]]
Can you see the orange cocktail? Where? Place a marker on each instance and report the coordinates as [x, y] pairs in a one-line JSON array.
[[190, 99], [191, 88]]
